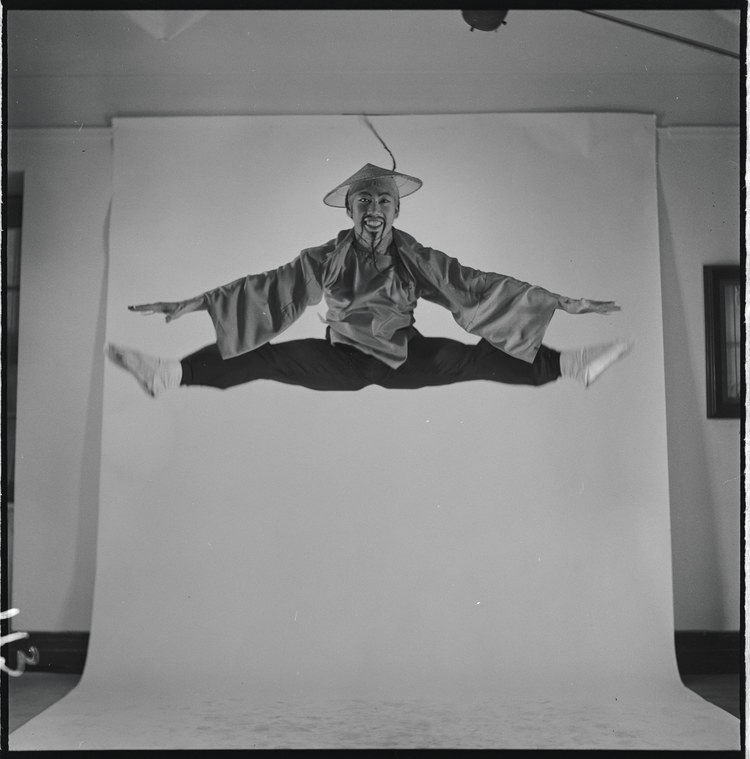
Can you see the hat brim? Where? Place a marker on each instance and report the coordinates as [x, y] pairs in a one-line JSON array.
[[405, 184]]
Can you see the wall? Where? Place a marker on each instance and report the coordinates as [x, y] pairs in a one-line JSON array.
[[67, 193], [67, 189], [699, 224]]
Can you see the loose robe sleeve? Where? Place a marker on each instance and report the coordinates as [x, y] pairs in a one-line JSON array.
[[510, 314], [254, 309]]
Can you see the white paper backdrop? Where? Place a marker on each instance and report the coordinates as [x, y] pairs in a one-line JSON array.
[[477, 543]]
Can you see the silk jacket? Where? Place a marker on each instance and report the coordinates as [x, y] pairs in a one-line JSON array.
[[371, 299]]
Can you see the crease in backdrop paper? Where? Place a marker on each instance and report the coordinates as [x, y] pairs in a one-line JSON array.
[[297, 554]]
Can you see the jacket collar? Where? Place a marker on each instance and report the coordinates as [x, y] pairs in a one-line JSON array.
[[402, 240]]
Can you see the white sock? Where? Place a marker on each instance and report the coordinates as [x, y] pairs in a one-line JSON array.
[[586, 365], [155, 375]]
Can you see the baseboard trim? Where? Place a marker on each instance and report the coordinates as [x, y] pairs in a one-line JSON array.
[[701, 652], [698, 652], [62, 652]]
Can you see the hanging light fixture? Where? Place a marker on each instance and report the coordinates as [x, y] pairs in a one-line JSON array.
[[491, 21], [486, 21]]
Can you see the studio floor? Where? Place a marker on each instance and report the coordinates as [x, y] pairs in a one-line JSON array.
[[34, 692]]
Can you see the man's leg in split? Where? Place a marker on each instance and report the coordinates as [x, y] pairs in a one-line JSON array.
[[436, 361], [311, 363], [439, 361]]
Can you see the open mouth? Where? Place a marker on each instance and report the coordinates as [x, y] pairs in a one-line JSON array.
[[373, 222]]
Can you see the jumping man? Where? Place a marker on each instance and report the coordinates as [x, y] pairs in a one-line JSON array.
[[371, 276]]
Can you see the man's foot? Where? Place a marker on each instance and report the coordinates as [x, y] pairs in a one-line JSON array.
[[154, 375], [587, 364]]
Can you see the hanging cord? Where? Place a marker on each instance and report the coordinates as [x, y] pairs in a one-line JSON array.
[[369, 125]]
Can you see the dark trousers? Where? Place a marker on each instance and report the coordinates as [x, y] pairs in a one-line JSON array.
[[318, 365]]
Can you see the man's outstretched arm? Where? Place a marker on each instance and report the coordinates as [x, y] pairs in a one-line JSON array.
[[251, 310]]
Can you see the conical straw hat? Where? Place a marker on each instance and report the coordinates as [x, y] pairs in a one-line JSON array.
[[406, 185]]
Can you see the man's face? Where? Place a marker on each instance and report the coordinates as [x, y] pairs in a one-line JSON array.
[[373, 208]]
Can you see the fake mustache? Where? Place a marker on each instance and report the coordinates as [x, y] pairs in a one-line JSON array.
[[378, 219]]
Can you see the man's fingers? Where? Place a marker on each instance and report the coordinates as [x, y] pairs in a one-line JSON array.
[[145, 308], [587, 306], [154, 308], [599, 306]]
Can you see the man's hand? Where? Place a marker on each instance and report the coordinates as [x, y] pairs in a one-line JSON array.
[[171, 309], [586, 306]]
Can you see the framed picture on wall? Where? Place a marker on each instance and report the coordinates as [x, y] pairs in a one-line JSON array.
[[724, 367]]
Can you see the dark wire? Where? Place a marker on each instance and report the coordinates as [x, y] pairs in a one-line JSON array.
[[668, 35], [382, 142]]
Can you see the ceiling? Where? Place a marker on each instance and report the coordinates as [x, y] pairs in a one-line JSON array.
[[82, 68]]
